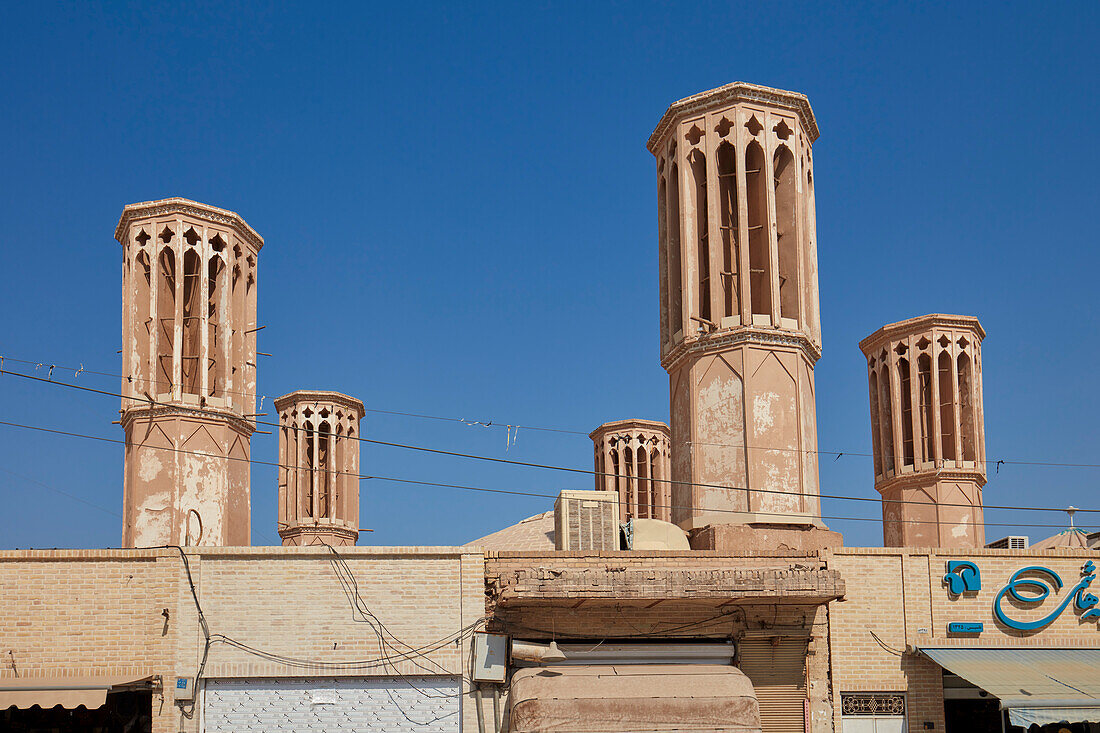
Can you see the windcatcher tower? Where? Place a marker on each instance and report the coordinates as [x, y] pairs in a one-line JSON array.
[[740, 327], [318, 468], [927, 430], [189, 356], [632, 459]]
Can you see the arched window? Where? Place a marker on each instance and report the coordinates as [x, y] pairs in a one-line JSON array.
[[340, 480], [144, 328], [876, 437], [760, 279], [643, 483], [192, 322], [904, 377], [702, 226], [727, 200], [947, 406], [786, 199], [324, 471], [166, 315], [924, 392], [675, 284], [667, 329], [628, 484], [310, 468], [215, 332], [887, 402], [966, 408]]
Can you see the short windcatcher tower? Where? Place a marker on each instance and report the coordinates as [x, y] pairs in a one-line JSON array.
[[740, 328], [189, 360], [927, 430], [632, 459], [318, 468]]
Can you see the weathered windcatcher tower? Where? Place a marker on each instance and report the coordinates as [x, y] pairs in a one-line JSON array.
[[632, 459], [189, 356], [740, 328], [928, 430], [318, 468]]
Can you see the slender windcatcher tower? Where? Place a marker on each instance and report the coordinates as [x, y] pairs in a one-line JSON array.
[[928, 430], [740, 328], [318, 468], [189, 360]]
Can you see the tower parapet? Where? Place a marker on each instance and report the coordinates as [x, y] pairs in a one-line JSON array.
[[632, 459], [189, 360], [928, 429], [740, 324], [318, 468]]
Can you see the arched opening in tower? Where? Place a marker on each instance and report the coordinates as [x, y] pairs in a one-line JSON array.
[[214, 339], [727, 197], [675, 283], [887, 402], [166, 316], [966, 408], [924, 391], [786, 199], [760, 280], [192, 322], [876, 436], [144, 328], [947, 406], [699, 210], [905, 378]]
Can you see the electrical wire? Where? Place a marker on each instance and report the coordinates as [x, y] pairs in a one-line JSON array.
[[568, 469], [512, 492]]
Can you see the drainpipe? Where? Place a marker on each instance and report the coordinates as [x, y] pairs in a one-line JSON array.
[[532, 652]]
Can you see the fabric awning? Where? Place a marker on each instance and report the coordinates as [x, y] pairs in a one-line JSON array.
[[68, 692], [605, 698], [1035, 685]]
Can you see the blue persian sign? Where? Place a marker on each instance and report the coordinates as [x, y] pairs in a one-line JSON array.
[[1028, 587], [1038, 587]]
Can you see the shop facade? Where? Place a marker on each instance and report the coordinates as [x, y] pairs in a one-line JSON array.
[[965, 640]]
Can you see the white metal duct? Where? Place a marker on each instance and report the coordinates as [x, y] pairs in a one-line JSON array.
[[334, 704]]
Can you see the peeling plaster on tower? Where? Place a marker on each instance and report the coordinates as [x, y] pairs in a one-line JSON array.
[[928, 430], [189, 356], [318, 468], [740, 327]]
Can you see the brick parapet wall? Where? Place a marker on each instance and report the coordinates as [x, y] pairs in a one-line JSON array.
[[99, 612]]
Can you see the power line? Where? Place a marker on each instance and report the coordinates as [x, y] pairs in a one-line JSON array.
[[543, 466], [512, 492], [488, 424]]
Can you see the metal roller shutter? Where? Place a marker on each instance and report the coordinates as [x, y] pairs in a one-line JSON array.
[[777, 668], [332, 705]]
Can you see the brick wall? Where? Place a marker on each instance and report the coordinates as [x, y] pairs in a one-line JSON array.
[[67, 612], [898, 596]]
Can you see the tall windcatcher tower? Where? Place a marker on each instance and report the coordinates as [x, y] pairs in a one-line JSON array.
[[318, 468], [740, 327], [189, 360], [928, 430]]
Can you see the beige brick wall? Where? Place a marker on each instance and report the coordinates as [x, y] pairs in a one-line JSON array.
[[66, 612], [898, 596]]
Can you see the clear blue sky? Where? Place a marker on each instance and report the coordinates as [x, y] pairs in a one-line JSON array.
[[469, 192]]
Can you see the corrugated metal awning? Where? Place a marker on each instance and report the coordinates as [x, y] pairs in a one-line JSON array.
[[608, 698], [68, 692], [1034, 685]]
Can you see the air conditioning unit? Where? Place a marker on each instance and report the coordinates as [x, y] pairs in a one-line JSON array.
[[586, 521], [1012, 542]]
